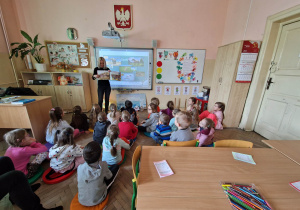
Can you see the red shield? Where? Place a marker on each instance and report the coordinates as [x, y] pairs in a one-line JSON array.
[[123, 16]]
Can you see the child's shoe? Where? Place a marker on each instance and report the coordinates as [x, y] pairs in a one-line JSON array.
[[32, 169]]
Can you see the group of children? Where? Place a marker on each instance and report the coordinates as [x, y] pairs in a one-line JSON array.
[[176, 125], [114, 132]]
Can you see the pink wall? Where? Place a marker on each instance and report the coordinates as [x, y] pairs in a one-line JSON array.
[[174, 23], [237, 15]]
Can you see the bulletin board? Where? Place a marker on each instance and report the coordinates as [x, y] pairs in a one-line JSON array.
[[75, 53], [179, 66]]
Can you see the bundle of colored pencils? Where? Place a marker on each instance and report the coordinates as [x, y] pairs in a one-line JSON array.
[[245, 197]]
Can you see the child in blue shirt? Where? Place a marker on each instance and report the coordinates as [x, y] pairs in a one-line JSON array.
[[163, 130], [172, 121]]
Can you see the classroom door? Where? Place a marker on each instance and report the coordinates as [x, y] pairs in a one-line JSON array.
[[279, 115]]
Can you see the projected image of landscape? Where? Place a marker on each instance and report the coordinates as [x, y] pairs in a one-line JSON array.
[[135, 67]]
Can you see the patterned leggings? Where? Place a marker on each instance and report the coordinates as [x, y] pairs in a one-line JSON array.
[[39, 158]]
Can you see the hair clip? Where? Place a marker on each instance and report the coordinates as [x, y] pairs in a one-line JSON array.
[[52, 109]]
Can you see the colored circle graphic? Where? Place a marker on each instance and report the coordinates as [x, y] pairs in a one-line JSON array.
[[159, 63], [159, 70], [158, 76]]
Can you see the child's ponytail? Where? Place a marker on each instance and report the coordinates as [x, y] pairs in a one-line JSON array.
[[113, 133], [76, 117], [55, 117], [65, 136], [170, 105]]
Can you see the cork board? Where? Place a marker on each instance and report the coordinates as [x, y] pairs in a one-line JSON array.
[[75, 53]]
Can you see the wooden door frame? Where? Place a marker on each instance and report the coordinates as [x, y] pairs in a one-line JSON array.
[[261, 72]]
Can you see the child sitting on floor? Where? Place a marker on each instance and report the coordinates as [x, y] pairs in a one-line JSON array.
[[94, 177], [183, 121], [65, 154], [163, 130], [93, 115], [21, 148], [169, 110], [192, 104], [112, 146], [100, 128], [127, 128], [114, 115], [217, 115], [172, 121], [132, 112], [79, 120], [56, 123], [206, 134], [155, 101], [149, 125]]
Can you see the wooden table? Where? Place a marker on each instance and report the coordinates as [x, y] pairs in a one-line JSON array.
[[33, 115], [199, 171], [289, 148]]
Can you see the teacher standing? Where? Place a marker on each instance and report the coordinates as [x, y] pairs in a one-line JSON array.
[[103, 85]]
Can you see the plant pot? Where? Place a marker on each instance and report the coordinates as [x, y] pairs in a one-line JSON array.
[[40, 67]]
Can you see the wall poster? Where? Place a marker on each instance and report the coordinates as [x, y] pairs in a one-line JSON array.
[[179, 66], [75, 53], [247, 61]]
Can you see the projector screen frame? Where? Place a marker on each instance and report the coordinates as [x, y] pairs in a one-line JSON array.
[[151, 65]]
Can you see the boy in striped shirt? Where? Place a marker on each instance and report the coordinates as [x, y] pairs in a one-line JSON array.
[[163, 130]]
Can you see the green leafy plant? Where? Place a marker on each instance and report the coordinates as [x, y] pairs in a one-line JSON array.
[[32, 46]]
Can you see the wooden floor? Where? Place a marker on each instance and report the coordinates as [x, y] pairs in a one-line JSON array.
[[121, 192]]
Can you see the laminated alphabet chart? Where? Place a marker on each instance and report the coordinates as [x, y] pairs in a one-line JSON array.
[[179, 66]]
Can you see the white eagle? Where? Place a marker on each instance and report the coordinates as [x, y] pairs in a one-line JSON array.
[[122, 18]]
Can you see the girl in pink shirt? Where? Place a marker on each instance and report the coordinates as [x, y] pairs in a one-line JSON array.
[[217, 115], [206, 134], [21, 148]]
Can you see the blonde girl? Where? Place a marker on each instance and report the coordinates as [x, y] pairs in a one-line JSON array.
[[93, 115], [112, 146], [114, 115], [56, 123], [21, 148], [65, 154]]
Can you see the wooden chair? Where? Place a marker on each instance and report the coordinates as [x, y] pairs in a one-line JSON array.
[[233, 143], [135, 170], [191, 143]]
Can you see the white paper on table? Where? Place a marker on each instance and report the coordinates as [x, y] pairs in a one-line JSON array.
[[243, 157], [163, 168], [296, 185]]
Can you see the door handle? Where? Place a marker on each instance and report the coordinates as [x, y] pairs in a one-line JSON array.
[[269, 83]]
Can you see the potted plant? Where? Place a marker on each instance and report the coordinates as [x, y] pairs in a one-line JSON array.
[[32, 47]]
